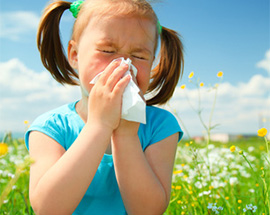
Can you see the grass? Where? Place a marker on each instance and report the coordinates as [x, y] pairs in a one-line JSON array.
[[208, 178], [14, 178], [231, 184]]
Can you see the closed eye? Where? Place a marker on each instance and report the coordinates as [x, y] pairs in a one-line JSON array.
[[108, 51], [139, 57]]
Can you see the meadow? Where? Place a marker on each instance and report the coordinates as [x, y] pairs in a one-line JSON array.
[[226, 183], [208, 178]]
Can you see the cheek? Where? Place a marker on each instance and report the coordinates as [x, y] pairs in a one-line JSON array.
[[143, 79], [89, 68]]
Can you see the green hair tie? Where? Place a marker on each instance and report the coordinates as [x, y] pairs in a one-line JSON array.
[[159, 27], [75, 8]]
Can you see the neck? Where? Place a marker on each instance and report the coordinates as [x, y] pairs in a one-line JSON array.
[[82, 108]]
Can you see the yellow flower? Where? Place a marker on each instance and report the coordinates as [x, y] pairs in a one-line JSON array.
[[191, 74], [239, 201], [183, 164], [3, 148], [25, 122], [177, 171], [262, 168], [227, 197], [262, 132], [178, 187], [201, 84], [179, 202], [219, 74], [192, 205], [173, 186], [232, 148], [257, 185], [261, 148], [187, 144], [241, 152], [183, 86], [190, 142], [239, 208], [183, 213], [190, 192], [211, 187]]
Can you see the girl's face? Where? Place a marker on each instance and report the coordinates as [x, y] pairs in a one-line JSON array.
[[107, 38]]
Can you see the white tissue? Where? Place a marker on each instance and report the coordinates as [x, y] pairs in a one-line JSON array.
[[133, 106]]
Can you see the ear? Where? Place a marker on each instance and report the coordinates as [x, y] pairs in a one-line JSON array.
[[73, 54]]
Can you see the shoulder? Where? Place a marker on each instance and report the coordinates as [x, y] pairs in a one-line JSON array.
[[54, 123], [57, 115], [154, 113], [160, 124], [158, 117]]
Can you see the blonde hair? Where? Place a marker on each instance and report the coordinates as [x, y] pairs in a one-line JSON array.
[[164, 76]]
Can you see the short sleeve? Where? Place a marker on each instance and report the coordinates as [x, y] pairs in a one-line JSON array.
[[49, 125], [160, 125]]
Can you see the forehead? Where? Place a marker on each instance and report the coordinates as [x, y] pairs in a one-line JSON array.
[[118, 30], [111, 8]]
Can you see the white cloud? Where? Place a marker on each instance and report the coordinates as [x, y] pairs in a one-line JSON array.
[[25, 94], [238, 108], [265, 63], [17, 23]]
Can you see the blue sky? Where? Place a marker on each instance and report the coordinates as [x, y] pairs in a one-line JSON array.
[[230, 36]]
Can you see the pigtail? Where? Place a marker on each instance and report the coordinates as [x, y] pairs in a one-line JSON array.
[[166, 74], [50, 47]]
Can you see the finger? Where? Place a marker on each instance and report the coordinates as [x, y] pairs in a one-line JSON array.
[[117, 74], [121, 85], [109, 70]]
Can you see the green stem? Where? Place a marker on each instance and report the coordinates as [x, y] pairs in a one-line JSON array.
[[13, 181], [5, 137], [8, 188], [267, 202], [189, 102], [248, 163], [213, 108], [266, 143], [25, 202], [207, 130]]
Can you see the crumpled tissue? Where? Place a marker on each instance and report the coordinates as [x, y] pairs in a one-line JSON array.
[[133, 106]]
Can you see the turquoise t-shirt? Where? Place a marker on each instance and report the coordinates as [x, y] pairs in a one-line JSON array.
[[103, 196]]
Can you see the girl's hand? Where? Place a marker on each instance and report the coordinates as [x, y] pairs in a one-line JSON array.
[[105, 98], [126, 128]]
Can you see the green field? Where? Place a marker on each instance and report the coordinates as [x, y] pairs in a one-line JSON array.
[[215, 182]]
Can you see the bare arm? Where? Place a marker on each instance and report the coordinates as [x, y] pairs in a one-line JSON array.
[[144, 178], [59, 179]]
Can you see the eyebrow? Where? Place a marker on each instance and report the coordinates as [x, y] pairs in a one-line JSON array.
[[105, 43]]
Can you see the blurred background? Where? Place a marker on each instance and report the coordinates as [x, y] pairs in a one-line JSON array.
[[231, 36]]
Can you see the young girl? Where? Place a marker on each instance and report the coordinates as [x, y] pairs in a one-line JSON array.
[[87, 159]]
